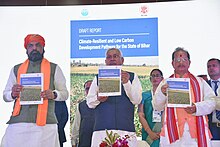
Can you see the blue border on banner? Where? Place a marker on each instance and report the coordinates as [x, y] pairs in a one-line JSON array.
[[134, 37]]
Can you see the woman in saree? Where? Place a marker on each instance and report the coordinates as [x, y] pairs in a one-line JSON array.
[[151, 119]]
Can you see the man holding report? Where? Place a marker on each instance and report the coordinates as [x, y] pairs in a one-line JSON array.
[[33, 122], [115, 113], [186, 125]]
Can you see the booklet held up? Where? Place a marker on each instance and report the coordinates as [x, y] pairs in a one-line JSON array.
[[178, 92], [109, 80], [32, 86]]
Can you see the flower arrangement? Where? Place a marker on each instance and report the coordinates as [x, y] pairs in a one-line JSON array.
[[114, 140]]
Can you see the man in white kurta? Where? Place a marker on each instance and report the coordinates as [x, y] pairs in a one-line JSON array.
[[133, 91], [187, 129], [83, 123], [23, 130]]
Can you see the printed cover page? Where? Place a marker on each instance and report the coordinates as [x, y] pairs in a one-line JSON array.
[[109, 80], [32, 86], [178, 92]]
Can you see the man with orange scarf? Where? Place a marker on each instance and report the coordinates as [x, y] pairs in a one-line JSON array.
[[186, 126], [34, 125]]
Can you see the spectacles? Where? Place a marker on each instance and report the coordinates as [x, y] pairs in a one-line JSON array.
[[181, 59], [156, 76]]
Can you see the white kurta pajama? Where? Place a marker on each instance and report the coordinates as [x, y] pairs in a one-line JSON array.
[[202, 108], [76, 127], [29, 134], [133, 91]]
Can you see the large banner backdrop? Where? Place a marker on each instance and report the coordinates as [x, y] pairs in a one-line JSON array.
[[78, 36]]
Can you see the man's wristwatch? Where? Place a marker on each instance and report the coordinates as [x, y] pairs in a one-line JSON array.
[[14, 97]]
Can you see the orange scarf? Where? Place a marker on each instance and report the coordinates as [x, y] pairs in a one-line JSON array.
[[42, 108], [171, 118]]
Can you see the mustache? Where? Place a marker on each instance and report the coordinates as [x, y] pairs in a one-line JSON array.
[[112, 63], [181, 65], [34, 52], [35, 56]]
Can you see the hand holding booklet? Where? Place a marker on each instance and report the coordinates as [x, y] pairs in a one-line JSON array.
[[109, 80], [32, 86], [178, 92]]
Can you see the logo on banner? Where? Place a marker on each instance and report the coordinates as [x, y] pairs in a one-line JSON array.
[[144, 10], [84, 12]]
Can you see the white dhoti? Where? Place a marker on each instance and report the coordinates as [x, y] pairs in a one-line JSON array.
[[30, 135], [185, 141]]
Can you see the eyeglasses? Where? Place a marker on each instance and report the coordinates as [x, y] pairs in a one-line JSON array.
[[156, 76], [181, 59]]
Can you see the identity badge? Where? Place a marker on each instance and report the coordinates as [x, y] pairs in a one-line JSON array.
[[157, 116]]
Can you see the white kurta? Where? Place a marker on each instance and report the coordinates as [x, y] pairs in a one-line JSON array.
[[202, 108], [75, 127], [133, 91], [29, 134]]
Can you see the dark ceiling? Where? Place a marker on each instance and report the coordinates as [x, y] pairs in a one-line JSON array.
[[72, 2]]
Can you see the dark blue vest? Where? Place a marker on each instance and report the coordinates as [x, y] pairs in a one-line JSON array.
[[117, 112], [86, 124]]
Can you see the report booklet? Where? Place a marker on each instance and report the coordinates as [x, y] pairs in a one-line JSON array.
[[32, 86], [109, 80], [178, 92]]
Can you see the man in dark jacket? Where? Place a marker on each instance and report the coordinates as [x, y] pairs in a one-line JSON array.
[[213, 68], [83, 122]]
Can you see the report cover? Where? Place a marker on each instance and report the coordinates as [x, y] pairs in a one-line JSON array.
[[109, 80], [32, 86], [178, 92]]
